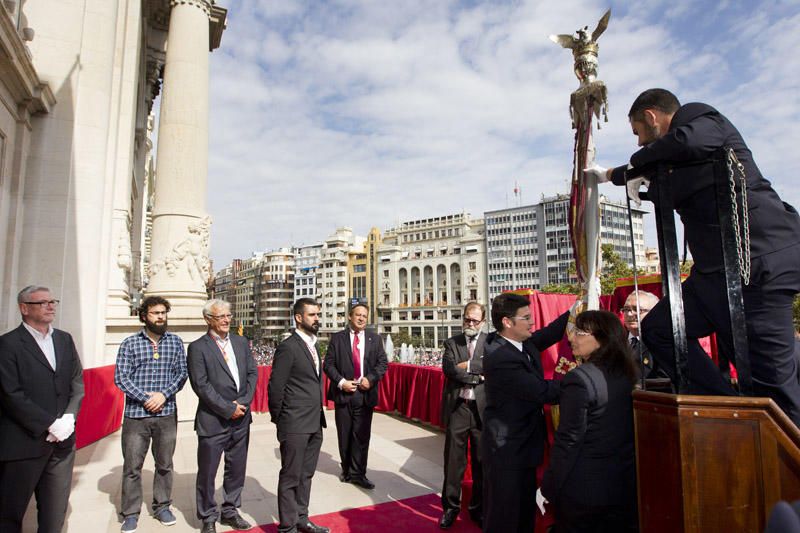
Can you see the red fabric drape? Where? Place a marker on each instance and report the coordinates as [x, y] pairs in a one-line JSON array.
[[102, 406]]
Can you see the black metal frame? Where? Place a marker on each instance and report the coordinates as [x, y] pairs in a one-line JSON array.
[[660, 191]]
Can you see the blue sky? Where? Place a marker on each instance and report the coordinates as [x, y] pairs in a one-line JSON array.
[[367, 113]]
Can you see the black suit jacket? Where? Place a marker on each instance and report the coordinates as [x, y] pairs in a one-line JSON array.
[[696, 131], [513, 422], [213, 383], [592, 462], [295, 388], [455, 352], [338, 365], [32, 395]]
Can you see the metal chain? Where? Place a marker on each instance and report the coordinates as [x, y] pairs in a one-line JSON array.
[[741, 229]]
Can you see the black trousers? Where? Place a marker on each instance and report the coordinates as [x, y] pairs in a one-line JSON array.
[[48, 476], [299, 455], [509, 499], [233, 444], [464, 427], [775, 280], [353, 428], [137, 436]]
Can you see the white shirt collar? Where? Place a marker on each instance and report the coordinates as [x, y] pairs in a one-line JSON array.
[[217, 337], [308, 339], [38, 334], [517, 344]]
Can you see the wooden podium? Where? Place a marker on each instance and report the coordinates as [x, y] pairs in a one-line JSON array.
[[712, 463]]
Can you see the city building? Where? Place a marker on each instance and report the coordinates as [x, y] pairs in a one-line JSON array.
[[276, 294], [261, 291], [529, 246], [305, 271], [332, 281], [361, 274], [427, 270]]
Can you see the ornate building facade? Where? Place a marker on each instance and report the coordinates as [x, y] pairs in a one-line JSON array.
[[78, 82], [426, 271]]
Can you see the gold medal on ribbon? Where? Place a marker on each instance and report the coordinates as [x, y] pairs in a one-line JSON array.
[[155, 355]]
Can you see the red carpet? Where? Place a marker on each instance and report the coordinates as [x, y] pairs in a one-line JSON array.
[[409, 516]]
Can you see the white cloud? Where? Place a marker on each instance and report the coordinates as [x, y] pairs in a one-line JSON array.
[[366, 113]]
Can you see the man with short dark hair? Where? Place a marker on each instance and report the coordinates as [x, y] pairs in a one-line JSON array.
[[295, 406], [354, 364], [41, 388], [512, 444], [223, 374], [687, 136], [150, 371], [463, 402]]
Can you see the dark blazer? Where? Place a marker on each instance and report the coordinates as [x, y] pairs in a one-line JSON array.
[[338, 365], [295, 388], [592, 462], [513, 422], [696, 131], [32, 395], [455, 351], [213, 383]]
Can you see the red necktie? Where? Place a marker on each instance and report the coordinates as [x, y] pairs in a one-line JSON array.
[[356, 358]]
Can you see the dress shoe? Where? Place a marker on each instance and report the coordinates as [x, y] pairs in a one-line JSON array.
[[363, 482], [208, 527], [448, 517], [235, 521], [311, 527], [344, 478]]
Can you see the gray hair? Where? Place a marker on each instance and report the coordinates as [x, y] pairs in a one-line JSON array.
[[25, 293], [648, 298], [215, 302]]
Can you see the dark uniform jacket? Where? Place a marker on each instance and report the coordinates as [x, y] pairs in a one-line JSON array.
[[697, 130]]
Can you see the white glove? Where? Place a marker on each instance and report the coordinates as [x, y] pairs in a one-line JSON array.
[[633, 187], [541, 500], [598, 172], [62, 428]]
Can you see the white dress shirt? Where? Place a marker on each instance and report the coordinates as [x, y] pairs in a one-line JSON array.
[[311, 342], [45, 342], [226, 348]]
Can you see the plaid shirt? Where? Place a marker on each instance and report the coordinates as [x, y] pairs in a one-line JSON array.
[[138, 372]]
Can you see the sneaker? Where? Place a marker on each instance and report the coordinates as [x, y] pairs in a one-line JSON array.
[[166, 517], [130, 524]]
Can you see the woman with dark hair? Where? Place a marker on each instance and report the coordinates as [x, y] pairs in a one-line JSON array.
[[591, 479]]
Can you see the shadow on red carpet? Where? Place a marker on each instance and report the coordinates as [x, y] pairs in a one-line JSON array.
[[410, 515]]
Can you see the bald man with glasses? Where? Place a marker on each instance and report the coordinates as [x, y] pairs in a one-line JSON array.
[[41, 388]]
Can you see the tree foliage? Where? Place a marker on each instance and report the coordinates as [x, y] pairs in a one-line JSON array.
[[613, 268]]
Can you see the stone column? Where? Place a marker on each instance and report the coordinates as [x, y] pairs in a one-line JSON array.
[[179, 260]]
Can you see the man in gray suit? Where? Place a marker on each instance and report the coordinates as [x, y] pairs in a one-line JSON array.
[[295, 406], [41, 388], [223, 373], [462, 409]]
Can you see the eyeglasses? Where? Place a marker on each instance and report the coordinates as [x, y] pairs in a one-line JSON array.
[[220, 317], [581, 333], [472, 321], [629, 309], [44, 303], [526, 318]]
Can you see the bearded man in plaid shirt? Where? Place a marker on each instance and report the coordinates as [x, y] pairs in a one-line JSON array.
[[151, 369]]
